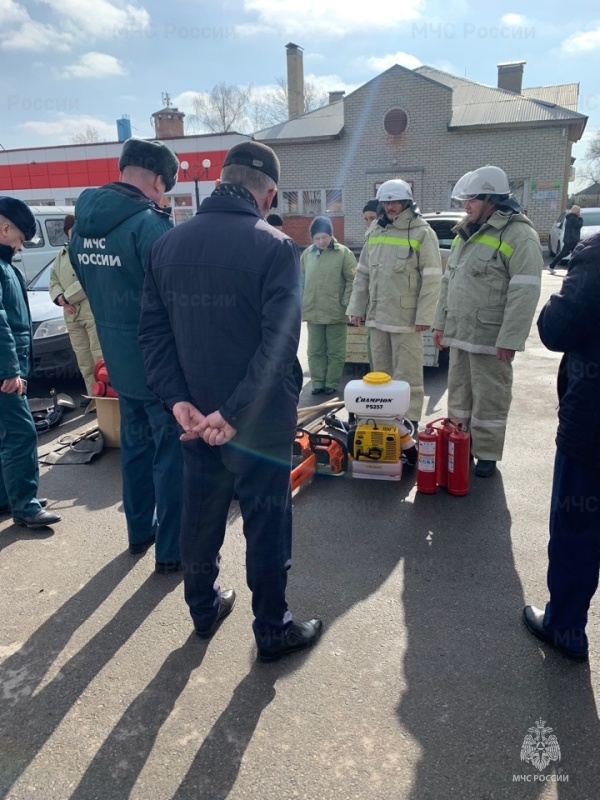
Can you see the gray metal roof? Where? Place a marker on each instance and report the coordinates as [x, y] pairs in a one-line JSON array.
[[563, 94], [473, 105], [324, 122]]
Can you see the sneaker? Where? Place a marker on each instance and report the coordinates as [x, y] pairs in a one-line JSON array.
[[551, 271], [318, 391]]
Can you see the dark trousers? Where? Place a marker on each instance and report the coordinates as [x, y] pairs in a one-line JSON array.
[[261, 480], [573, 551], [152, 467], [568, 246], [19, 471]]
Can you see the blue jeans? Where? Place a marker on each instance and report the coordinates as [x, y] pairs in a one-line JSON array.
[[19, 471], [261, 480], [152, 467], [573, 550]]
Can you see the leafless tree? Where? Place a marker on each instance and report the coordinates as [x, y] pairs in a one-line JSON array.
[[274, 105], [89, 136], [221, 110], [590, 170]]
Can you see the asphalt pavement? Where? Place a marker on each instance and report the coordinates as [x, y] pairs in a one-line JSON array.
[[423, 687]]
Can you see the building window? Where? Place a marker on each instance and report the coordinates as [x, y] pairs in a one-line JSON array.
[[333, 201], [290, 204], [56, 234], [40, 202], [311, 202], [395, 122], [70, 201]]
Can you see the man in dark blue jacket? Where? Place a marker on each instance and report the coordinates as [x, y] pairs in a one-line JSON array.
[[19, 472], [219, 331], [568, 323], [115, 227]]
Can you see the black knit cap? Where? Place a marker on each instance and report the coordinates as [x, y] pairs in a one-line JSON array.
[[321, 225], [154, 156], [372, 205], [19, 213], [256, 155]]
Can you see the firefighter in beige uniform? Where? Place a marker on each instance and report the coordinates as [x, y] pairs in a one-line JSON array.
[[487, 301], [65, 290], [396, 288]]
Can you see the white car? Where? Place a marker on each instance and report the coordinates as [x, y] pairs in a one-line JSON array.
[[48, 241], [442, 223], [53, 356], [591, 225]]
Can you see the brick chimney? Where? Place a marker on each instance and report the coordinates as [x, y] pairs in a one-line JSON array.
[[295, 80], [510, 76], [335, 96]]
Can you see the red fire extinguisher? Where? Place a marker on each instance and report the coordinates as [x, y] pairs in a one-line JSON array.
[[427, 442], [459, 445], [441, 457]]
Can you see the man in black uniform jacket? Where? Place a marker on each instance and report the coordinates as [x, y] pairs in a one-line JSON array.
[[219, 331]]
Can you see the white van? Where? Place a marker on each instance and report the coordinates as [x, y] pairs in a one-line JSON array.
[[49, 239]]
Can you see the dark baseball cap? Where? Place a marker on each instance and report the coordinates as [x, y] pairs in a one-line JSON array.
[[256, 155]]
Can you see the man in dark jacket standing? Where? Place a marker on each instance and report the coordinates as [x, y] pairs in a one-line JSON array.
[[572, 234], [19, 472], [115, 227], [219, 331], [568, 323]]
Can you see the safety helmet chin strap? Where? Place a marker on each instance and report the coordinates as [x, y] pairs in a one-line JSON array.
[[481, 218]]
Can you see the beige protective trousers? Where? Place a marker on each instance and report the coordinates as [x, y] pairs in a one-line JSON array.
[[479, 396], [401, 356], [84, 339]]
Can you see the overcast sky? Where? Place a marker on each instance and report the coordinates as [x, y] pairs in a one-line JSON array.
[[69, 64]]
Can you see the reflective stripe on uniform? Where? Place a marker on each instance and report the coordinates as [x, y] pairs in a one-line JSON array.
[[533, 280], [488, 423], [459, 412], [469, 347], [362, 268], [396, 241], [455, 241], [492, 241], [391, 328], [431, 271]]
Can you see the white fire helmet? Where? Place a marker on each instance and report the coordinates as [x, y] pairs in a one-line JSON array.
[[396, 189], [485, 180]]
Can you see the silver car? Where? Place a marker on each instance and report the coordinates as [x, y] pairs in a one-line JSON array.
[[591, 225], [53, 356]]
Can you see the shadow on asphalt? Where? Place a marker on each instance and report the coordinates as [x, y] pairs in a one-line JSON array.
[[28, 719], [472, 671]]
